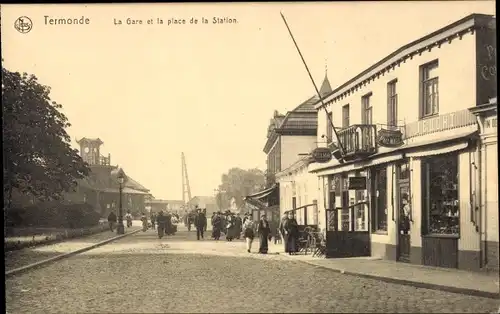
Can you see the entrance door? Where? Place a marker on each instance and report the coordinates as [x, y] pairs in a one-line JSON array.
[[404, 221]]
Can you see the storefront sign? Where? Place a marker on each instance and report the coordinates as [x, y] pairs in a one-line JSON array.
[[357, 183], [390, 138], [490, 123], [440, 123], [322, 154]]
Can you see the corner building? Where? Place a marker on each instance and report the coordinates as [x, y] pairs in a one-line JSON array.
[[411, 187]]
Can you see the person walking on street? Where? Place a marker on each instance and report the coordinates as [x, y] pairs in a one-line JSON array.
[[264, 231], [161, 221], [281, 229], [153, 221], [112, 220], [199, 223], [216, 226], [239, 226], [291, 231], [249, 234]]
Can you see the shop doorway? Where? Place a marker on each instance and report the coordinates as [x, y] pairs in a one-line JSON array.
[[403, 212], [344, 237]]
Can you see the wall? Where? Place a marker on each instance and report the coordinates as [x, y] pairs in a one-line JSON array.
[[457, 86], [292, 146]]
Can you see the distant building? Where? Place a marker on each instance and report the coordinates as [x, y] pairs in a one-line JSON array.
[[101, 188], [207, 202]]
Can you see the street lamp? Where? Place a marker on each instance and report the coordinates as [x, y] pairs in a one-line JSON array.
[[120, 229], [218, 198]]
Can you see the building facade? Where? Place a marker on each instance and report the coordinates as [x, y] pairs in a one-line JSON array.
[[288, 137], [299, 192], [408, 185]]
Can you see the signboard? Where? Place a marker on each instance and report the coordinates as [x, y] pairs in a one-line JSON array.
[[390, 138], [357, 183], [321, 154], [490, 123]]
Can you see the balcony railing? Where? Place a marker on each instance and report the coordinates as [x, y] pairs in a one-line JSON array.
[[358, 140]]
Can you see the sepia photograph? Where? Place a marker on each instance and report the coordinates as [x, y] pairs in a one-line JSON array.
[[246, 157]]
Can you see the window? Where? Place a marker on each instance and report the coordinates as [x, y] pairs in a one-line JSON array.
[[329, 129], [440, 195], [366, 109], [294, 202], [345, 116], [430, 93], [379, 199], [392, 104]]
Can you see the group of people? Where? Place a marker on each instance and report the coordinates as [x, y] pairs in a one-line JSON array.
[[228, 223]]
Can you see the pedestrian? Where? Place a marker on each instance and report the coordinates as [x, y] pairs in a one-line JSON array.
[[112, 220], [281, 229], [239, 226], [144, 220], [249, 234], [199, 223], [291, 234], [153, 221], [216, 226], [161, 220], [204, 210], [231, 227], [264, 231]]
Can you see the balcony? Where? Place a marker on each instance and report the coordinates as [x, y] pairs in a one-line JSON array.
[[362, 140]]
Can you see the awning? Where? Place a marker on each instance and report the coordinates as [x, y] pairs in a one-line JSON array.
[[262, 194], [438, 151]]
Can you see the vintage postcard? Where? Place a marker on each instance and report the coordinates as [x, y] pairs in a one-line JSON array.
[[307, 157]]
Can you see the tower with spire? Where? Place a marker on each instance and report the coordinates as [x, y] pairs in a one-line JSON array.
[[326, 88]]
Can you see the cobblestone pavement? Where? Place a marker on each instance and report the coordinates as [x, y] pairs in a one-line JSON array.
[[143, 274], [23, 257]]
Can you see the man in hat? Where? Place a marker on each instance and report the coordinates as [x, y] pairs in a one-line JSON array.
[[239, 225], [199, 223]]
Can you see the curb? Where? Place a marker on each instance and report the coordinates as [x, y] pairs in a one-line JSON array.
[[416, 284], [19, 270]]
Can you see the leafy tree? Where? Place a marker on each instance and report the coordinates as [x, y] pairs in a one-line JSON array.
[[239, 183], [38, 160]]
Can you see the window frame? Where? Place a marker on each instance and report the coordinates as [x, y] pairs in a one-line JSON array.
[[429, 109], [329, 129], [366, 109], [346, 116], [392, 103]]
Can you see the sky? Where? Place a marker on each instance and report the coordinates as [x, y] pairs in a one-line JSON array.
[[152, 91]]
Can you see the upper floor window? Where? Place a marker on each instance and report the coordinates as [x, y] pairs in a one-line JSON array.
[[345, 116], [366, 109], [430, 89], [392, 103], [329, 129]]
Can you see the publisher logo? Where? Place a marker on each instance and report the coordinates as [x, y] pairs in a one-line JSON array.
[[23, 24]]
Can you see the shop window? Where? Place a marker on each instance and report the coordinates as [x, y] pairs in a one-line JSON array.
[[345, 211], [379, 199], [440, 195]]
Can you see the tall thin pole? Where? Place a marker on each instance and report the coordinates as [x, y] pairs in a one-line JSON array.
[[315, 87]]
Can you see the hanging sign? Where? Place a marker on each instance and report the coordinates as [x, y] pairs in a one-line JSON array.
[[390, 138], [322, 154], [357, 183]]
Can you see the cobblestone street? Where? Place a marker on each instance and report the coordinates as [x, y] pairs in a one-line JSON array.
[[141, 273]]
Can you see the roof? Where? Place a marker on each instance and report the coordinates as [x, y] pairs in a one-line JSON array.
[[131, 183], [443, 34], [85, 139]]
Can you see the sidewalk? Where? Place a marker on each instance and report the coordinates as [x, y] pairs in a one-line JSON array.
[[446, 279], [27, 256]]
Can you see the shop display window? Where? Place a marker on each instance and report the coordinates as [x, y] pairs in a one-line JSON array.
[[379, 198], [440, 195]]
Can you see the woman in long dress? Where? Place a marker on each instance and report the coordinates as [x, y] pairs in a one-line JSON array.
[[291, 233], [249, 234], [264, 231]]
